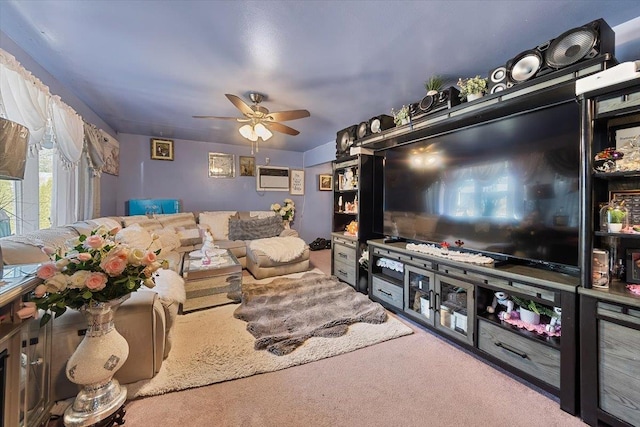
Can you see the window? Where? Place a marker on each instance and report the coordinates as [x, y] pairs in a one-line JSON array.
[[26, 205]]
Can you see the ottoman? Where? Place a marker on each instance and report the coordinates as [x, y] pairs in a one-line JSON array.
[[261, 266]]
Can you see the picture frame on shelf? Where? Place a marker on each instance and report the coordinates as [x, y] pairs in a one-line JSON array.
[[325, 182], [247, 166], [600, 268], [161, 149], [296, 182], [633, 265], [221, 165], [631, 202]]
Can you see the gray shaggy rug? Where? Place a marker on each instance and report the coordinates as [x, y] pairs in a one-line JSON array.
[[284, 313]]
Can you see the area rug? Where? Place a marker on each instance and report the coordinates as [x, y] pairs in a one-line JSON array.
[[212, 346], [284, 313]]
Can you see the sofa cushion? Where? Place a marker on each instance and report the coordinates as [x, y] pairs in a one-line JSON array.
[[241, 229], [149, 224], [217, 223], [27, 248], [237, 247], [109, 222], [261, 214], [182, 220]]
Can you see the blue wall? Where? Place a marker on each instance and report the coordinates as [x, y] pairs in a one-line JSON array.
[[186, 178]]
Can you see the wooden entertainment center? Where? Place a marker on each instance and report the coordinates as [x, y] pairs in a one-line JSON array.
[[592, 366]]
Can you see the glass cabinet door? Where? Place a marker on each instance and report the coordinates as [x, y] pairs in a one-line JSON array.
[[419, 294], [455, 307], [34, 372]]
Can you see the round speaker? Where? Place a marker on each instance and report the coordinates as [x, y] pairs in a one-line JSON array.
[[498, 75], [375, 125], [427, 103], [344, 141], [571, 47], [498, 88], [362, 130], [525, 66]]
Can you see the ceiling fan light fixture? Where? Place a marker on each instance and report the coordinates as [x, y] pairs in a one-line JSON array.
[[248, 132], [262, 131]]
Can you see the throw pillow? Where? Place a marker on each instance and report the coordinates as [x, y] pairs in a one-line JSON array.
[[217, 223], [182, 219], [242, 229], [169, 239], [189, 236], [137, 237]]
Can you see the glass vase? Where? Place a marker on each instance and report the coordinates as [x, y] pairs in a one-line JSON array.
[[617, 217]]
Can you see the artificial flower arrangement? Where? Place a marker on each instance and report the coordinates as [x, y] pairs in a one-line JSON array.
[[287, 211], [401, 116], [94, 268], [471, 86]]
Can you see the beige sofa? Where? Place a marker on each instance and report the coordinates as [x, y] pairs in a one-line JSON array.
[[146, 318]]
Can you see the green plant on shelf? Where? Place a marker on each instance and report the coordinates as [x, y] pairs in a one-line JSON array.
[[616, 215], [533, 306]]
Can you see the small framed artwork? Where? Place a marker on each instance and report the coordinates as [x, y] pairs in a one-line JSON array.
[[296, 182], [325, 182], [221, 165], [161, 149], [633, 265], [600, 268], [247, 166]]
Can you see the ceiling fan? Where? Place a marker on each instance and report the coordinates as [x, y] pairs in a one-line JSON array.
[[259, 121]]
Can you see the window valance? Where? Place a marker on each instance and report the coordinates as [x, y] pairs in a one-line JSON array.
[[52, 123]]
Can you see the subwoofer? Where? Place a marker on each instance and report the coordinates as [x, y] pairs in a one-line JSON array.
[[431, 103], [344, 141], [380, 123], [578, 44]]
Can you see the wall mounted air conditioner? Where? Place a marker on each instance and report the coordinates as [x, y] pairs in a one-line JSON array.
[[272, 178]]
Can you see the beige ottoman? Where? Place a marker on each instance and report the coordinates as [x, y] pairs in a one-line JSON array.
[[261, 266]]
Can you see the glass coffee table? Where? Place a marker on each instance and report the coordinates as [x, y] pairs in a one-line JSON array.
[[213, 284]]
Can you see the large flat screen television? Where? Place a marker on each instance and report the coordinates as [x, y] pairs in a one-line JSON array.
[[507, 187]]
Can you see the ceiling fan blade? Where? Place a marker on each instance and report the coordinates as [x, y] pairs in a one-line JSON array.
[[279, 127], [283, 116], [240, 104]]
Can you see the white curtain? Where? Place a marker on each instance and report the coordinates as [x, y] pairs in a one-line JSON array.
[[23, 99], [53, 124]]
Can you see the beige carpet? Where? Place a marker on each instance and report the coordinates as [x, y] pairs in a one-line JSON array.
[[212, 346]]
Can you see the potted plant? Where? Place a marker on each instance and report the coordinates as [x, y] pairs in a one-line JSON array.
[[616, 216], [530, 311], [433, 85], [401, 117], [472, 88]]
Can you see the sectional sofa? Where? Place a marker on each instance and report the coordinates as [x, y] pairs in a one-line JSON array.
[[147, 317]]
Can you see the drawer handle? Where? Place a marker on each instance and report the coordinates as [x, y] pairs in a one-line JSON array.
[[342, 255], [430, 299], [389, 294], [511, 349], [342, 272]]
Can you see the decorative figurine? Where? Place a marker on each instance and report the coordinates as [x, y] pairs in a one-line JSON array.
[[501, 298], [556, 321]]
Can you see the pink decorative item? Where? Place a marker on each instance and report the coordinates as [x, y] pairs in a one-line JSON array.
[[634, 289]]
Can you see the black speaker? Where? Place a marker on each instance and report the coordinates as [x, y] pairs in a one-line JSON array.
[[344, 141], [362, 130], [380, 123], [578, 44], [443, 100]]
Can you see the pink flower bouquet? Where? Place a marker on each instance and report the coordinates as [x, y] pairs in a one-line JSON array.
[[94, 268]]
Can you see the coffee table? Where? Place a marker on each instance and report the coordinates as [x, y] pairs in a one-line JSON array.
[[211, 285]]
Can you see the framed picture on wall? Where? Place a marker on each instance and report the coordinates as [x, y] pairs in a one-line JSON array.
[[161, 149], [247, 166], [325, 182], [221, 165], [296, 182]]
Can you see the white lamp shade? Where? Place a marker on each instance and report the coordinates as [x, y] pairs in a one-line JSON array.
[[14, 138], [248, 132], [263, 132]]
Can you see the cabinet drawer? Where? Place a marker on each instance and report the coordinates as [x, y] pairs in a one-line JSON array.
[[345, 272], [535, 359], [388, 292], [619, 369], [342, 253]]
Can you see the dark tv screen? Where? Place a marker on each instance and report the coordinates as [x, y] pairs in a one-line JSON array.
[[506, 187]]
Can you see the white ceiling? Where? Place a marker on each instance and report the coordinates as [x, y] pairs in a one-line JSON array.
[[146, 67]]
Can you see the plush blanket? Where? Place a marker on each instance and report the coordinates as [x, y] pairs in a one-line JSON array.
[[284, 313], [279, 249]]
